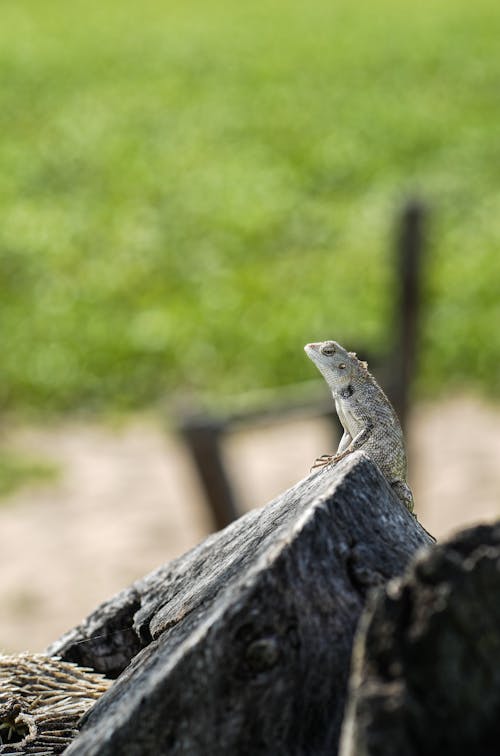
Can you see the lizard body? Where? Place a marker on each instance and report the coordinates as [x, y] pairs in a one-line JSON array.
[[367, 416]]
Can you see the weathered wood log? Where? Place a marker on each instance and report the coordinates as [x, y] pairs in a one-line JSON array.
[[247, 638], [426, 661]]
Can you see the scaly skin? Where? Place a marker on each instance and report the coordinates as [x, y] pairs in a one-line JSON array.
[[367, 416]]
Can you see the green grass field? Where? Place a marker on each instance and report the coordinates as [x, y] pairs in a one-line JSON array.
[[192, 190]]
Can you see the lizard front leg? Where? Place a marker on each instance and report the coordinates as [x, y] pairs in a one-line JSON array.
[[344, 442], [356, 443], [327, 459], [323, 461]]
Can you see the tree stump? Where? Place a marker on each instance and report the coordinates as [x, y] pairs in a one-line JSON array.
[[426, 662], [245, 642]]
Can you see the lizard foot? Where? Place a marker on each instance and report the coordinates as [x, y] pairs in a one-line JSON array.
[[323, 461]]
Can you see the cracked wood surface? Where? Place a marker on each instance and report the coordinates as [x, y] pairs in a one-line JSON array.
[[426, 676], [245, 641]]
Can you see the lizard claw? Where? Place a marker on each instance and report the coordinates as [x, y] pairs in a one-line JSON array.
[[325, 459], [329, 459]]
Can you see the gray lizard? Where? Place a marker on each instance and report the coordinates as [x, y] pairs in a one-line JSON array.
[[367, 416]]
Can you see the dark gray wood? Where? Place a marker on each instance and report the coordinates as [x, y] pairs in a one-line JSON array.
[[426, 662], [409, 264], [106, 640], [247, 638], [203, 437]]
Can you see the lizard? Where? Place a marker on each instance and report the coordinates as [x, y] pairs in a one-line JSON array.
[[369, 420]]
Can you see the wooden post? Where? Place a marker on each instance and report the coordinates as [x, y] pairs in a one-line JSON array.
[[410, 244], [247, 637], [203, 436]]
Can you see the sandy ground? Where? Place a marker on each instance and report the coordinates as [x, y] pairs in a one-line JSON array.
[[127, 500]]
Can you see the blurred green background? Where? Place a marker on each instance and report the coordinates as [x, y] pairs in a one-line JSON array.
[[192, 190]]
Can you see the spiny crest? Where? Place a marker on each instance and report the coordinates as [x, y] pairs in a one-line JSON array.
[[361, 363]]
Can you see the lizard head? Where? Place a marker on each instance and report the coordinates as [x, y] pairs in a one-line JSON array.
[[333, 361]]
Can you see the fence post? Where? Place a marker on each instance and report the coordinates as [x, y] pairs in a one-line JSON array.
[[203, 438], [409, 249]]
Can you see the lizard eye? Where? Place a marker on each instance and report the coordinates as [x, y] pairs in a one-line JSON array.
[[342, 366], [328, 350]]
